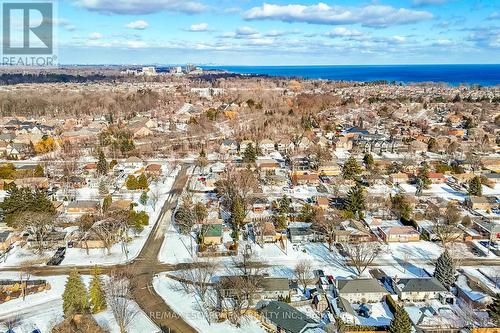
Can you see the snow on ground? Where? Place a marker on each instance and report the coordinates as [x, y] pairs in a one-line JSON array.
[[188, 307], [176, 247], [78, 256], [436, 190], [380, 315], [44, 310]]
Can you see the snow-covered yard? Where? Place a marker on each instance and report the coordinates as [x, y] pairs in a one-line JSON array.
[[79, 256], [44, 310], [188, 307]]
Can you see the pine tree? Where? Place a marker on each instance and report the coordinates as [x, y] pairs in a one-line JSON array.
[[39, 172], [475, 186], [131, 183], [351, 169], [401, 322], [103, 188], [102, 164], [106, 202], [368, 160], [424, 176], [445, 270], [494, 310], [250, 154], [355, 201], [75, 297], [144, 198], [97, 298], [237, 212], [142, 182]]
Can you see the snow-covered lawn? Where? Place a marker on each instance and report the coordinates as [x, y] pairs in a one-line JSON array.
[[79, 256], [44, 310], [188, 307]]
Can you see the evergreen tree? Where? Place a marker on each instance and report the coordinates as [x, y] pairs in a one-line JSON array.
[[423, 175], [237, 212], [250, 154], [494, 310], [75, 297], [368, 160], [103, 188], [401, 206], [355, 201], [102, 164], [401, 322], [97, 298], [22, 200], [475, 187], [138, 220], [445, 270], [131, 183], [144, 198], [106, 203], [351, 169], [39, 172], [142, 181]]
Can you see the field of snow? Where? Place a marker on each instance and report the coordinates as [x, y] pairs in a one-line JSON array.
[[44, 310], [77, 256], [188, 307]]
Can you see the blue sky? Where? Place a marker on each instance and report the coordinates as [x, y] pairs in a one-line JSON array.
[[278, 32]]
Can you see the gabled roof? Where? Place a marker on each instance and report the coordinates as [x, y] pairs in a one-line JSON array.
[[420, 285], [287, 318], [360, 286]]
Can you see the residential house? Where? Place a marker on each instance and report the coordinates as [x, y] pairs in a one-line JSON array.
[[399, 234], [82, 207], [480, 203], [153, 169], [360, 290], [212, 234], [330, 169], [488, 229], [418, 289], [229, 146], [283, 318], [266, 146]]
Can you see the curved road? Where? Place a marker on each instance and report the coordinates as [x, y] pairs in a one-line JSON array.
[[144, 267]]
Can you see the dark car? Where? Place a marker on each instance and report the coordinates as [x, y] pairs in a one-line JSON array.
[[55, 261], [61, 251]]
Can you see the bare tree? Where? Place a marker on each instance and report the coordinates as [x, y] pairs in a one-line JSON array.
[[38, 225], [154, 195], [445, 225], [328, 224], [361, 255], [302, 271], [202, 275], [118, 290], [11, 322]]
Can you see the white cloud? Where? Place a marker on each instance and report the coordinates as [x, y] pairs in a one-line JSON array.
[[418, 3], [343, 32], [494, 16], [246, 31], [198, 27], [399, 39], [95, 36], [138, 7], [137, 25], [321, 13]]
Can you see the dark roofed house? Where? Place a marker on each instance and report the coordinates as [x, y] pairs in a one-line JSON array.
[[281, 317], [418, 289], [82, 207], [360, 290]]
